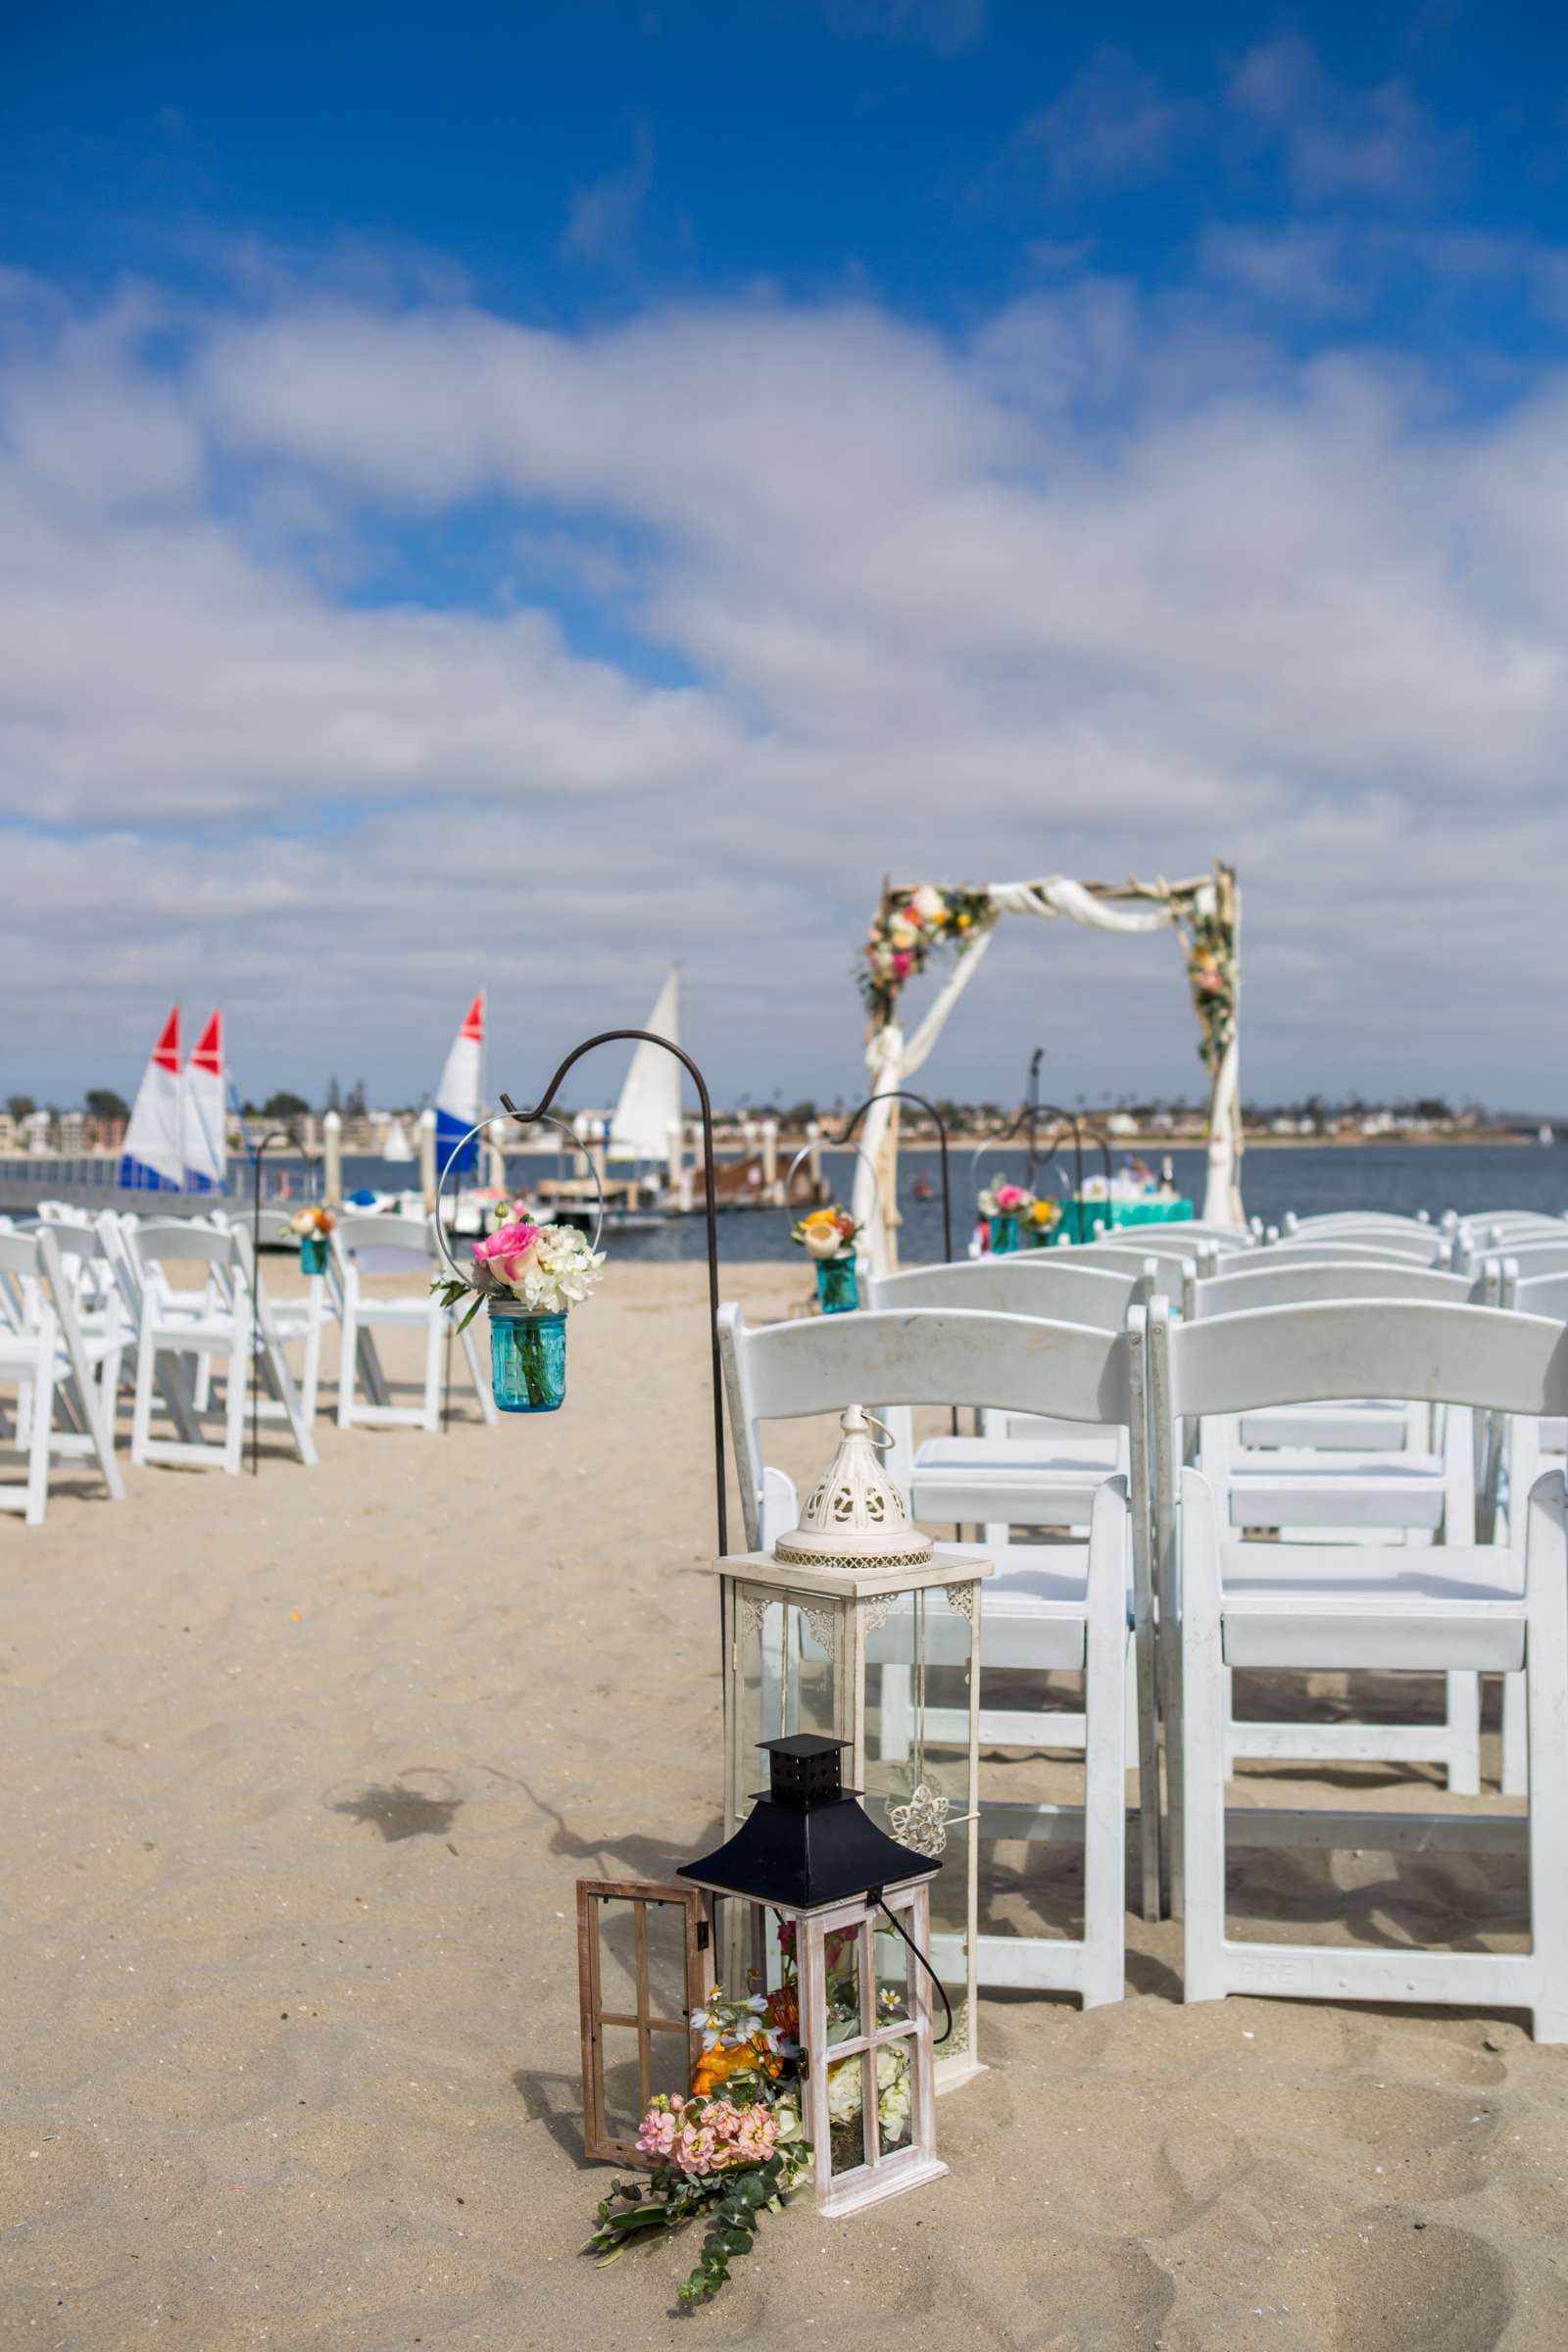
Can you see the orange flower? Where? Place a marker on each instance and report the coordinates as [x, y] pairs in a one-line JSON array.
[[715, 2066]]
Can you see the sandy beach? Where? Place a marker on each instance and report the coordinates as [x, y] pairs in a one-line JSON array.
[[301, 1773]]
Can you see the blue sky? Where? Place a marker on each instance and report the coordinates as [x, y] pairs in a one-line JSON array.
[[515, 497]]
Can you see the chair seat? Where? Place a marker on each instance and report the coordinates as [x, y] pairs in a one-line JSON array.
[[414, 1311], [1023, 1481], [198, 1331], [1296, 1487], [1306, 1606]]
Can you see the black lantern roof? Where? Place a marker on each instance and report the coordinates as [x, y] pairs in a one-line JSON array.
[[806, 1842]]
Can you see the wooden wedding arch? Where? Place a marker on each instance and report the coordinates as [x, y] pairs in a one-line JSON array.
[[916, 925]]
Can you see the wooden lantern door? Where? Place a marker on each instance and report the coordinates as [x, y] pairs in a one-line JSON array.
[[642, 1969]]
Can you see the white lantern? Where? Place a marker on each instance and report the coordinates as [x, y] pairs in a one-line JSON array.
[[858, 1629], [836, 1917]]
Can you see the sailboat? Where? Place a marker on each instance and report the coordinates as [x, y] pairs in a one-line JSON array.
[[647, 1120], [202, 1140], [460, 1097], [397, 1145], [153, 1158]]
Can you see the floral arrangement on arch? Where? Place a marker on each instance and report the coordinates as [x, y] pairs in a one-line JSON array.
[[545, 1268], [826, 1233], [907, 929], [1211, 971]]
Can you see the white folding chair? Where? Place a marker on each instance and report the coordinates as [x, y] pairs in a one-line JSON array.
[[1474, 1609], [1357, 1470], [363, 1248], [1045, 1608], [41, 1352], [233, 1335]]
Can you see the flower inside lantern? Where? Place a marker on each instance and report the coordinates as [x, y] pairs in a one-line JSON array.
[[828, 1236], [527, 1276]]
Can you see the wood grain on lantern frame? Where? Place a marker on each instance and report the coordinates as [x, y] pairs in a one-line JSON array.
[[592, 1894]]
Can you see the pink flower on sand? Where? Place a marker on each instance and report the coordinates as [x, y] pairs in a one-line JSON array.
[[503, 1252], [658, 2135], [698, 2151], [1010, 1198]]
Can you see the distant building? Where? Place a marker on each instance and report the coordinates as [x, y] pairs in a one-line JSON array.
[[73, 1133]]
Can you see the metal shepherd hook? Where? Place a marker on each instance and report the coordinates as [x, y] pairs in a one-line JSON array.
[[526, 1118]]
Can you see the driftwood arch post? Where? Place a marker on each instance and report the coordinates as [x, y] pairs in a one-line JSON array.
[[916, 925]]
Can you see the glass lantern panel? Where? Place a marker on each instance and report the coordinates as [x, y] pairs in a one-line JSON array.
[[920, 1653], [846, 2109], [623, 2104], [842, 1969], [895, 2096], [789, 1656], [949, 1933], [893, 1966]]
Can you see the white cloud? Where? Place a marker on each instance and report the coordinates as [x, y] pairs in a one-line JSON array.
[[1106, 587], [602, 218], [1112, 124], [1338, 141]]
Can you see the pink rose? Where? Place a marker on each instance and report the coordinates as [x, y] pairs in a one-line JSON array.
[[506, 1251], [1010, 1198], [903, 965]]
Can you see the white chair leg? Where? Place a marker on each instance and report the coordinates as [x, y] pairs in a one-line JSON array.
[[1202, 1747], [141, 1418], [1464, 1734], [435, 1344], [234, 1401], [310, 1380], [348, 1361], [38, 1449], [1547, 1676], [1107, 1651], [479, 1373], [1515, 1734]]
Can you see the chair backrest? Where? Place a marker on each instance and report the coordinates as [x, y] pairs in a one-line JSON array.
[[1130, 1259], [410, 1235], [1278, 1278], [1418, 1350], [1534, 1259], [1322, 1249], [1176, 1241], [1035, 1281], [160, 1241], [930, 1355], [1538, 1294]]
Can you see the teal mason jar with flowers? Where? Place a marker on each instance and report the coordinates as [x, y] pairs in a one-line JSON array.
[[828, 1236], [526, 1277], [1003, 1208], [313, 1225]]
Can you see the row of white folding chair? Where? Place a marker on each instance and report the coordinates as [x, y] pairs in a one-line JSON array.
[[1064, 1607], [60, 1414], [1360, 1472], [1449, 1609]]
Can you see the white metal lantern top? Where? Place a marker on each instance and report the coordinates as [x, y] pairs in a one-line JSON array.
[[855, 1517]]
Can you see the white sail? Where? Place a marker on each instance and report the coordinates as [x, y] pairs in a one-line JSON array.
[[397, 1145], [649, 1101], [204, 1124], [152, 1159]]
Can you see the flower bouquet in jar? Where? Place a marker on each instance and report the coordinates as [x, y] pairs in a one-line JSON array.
[[1004, 1206], [527, 1277], [313, 1225], [828, 1236]]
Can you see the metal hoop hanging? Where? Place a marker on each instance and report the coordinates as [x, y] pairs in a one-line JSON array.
[[490, 1118], [805, 1153]]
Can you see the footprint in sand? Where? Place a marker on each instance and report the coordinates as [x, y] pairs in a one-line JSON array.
[[1382, 2284]]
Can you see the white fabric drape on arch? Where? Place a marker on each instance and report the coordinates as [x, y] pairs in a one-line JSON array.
[[893, 1059]]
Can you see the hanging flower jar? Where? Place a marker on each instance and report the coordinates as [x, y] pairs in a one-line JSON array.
[[526, 1277], [1042, 1223], [1003, 1208], [313, 1225], [828, 1236]]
